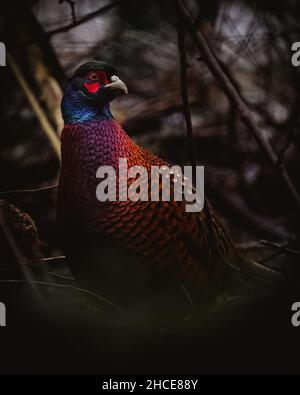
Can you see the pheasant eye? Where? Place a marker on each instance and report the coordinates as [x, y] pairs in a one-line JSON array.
[[93, 76], [94, 84]]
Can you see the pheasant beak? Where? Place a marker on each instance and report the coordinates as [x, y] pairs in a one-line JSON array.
[[117, 85]]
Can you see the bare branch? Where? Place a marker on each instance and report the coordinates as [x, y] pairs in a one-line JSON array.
[[72, 6], [45, 260], [191, 301], [17, 191], [236, 99], [279, 246], [84, 19], [184, 92], [62, 276], [285, 147]]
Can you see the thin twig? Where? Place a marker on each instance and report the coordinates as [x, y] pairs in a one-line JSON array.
[[45, 260], [184, 92], [17, 191], [279, 246], [236, 99], [63, 277], [190, 300], [84, 19], [70, 287], [182, 323], [285, 147], [72, 6]]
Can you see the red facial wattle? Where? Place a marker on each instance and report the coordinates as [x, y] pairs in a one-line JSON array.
[[95, 80], [92, 87]]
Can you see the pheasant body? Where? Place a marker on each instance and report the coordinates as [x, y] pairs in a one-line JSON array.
[[167, 241], [154, 242]]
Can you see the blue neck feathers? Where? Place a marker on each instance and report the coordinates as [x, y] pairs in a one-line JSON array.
[[75, 110]]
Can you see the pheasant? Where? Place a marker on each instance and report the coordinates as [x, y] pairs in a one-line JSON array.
[[131, 244]]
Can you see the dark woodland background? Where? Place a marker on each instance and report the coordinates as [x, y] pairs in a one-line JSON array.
[[251, 168]]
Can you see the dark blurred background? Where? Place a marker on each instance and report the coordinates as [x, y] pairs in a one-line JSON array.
[[46, 41]]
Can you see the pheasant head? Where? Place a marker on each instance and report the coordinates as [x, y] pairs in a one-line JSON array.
[[90, 90]]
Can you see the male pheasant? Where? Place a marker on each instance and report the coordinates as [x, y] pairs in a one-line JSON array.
[[130, 244]]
